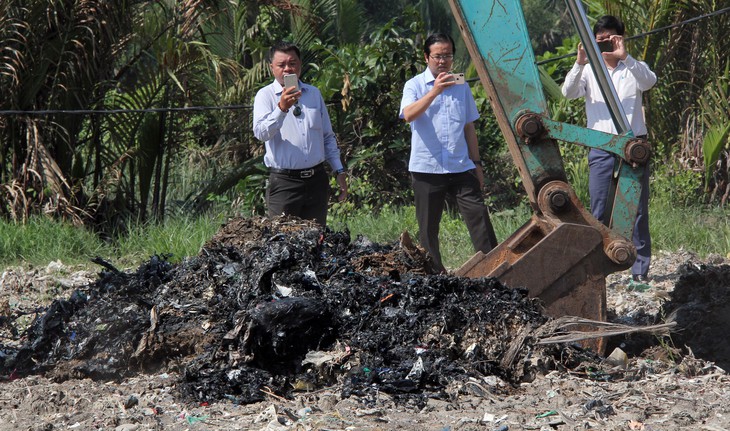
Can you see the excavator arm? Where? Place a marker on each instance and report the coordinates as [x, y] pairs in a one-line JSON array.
[[562, 255]]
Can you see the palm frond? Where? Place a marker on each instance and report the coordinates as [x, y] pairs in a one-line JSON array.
[[716, 139], [12, 50]]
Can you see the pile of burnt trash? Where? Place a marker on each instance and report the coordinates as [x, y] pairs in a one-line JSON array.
[[700, 304], [275, 306]]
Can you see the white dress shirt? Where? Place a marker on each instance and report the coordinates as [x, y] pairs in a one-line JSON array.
[[295, 142], [630, 78]]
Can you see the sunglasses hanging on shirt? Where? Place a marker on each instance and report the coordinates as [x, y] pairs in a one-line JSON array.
[[297, 110]]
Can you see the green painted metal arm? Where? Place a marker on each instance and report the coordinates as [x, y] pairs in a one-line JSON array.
[[628, 189]]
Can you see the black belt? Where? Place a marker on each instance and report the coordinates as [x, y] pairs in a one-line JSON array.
[[299, 173]]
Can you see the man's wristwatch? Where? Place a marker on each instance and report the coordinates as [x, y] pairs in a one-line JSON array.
[[341, 171]]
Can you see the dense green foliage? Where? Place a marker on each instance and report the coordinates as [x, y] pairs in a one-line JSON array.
[[142, 57]]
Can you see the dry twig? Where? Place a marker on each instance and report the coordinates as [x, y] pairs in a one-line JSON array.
[[558, 330]]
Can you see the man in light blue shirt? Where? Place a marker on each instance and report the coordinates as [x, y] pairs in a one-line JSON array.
[[444, 150], [295, 126]]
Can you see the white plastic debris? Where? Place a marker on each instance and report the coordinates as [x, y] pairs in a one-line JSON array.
[[618, 358], [416, 370]]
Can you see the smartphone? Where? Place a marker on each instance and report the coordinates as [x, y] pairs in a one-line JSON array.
[[291, 80], [457, 78], [605, 46]]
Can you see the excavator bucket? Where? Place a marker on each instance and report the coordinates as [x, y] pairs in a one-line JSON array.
[[561, 256], [562, 267]]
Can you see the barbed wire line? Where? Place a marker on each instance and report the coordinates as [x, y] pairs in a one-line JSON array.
[[125, 111], [44, 112]]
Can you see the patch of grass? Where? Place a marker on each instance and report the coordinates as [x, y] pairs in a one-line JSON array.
[[42, 240], [697, 229], [700, 230], [384, 227], [179, 237]]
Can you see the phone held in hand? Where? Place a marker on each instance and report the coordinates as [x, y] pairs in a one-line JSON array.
[[605, 46], [458, 78], [291, 80]]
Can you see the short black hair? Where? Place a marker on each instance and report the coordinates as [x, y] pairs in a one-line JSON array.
[[283, 46], [609, 22], [438, 38]]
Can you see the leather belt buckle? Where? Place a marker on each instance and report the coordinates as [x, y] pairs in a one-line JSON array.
[[306, 173]]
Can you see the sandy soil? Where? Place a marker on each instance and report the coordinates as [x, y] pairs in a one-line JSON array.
[[659, 389]]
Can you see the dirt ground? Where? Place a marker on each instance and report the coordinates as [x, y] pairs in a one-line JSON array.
[[659, 385]]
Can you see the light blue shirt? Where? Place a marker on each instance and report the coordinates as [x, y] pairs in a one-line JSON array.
[[295, 142], [438, 144]]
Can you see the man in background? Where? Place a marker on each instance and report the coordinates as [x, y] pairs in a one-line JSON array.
[[294, 124], [444, 150], [630, 79]]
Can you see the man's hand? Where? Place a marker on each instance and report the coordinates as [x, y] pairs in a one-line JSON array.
[[581, 56], [417, 108], [442, 82], [619, 51], [480, 176], [289, 98], [342, 182]]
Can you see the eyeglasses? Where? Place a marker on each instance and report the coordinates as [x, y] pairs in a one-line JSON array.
[[442, 57]]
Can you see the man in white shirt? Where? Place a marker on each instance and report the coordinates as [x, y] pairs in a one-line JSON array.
[[295, 126], [630, 78]]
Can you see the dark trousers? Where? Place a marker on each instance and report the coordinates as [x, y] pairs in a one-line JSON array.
[[305, 198], [599, 182], [430, 192]]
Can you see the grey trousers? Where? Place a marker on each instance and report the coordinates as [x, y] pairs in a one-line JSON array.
[[430, 192], [599, 182]]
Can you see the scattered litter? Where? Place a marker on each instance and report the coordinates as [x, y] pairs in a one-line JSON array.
[[195, 419], [546, 414], [491, 418], [618, 358], [636, 425], [131, 402], [599, 409], [267, 415], [304, 412]]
